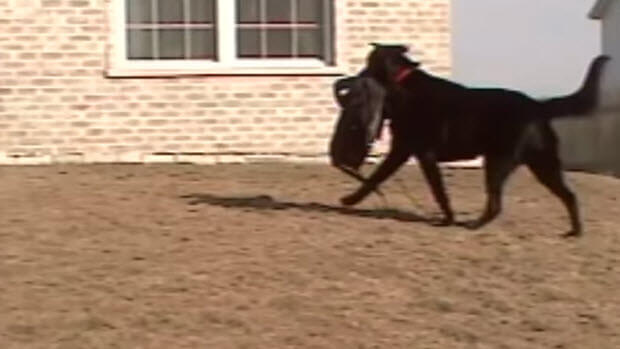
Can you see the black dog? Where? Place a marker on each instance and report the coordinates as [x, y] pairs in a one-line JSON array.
[[436, 120]]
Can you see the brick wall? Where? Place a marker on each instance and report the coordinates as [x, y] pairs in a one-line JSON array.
[[57, 105]]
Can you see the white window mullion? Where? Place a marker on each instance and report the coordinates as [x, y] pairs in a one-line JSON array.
[[263, 28], [294, 29], [186, 29], [155, 16], [226, 31]]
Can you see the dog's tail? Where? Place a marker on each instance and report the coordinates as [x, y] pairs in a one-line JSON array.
[[582, 101]]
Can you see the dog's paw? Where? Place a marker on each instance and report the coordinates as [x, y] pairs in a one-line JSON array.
[[350, 200], [473, 225], [442, 222], [572, 234]]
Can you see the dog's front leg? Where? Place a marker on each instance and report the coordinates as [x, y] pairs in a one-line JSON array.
[[432, 173], [395, 158]]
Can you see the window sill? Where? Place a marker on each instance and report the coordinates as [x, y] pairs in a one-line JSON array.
[[223, 71]]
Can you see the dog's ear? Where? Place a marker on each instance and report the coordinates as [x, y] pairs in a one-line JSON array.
[[398, 48], [402, 49], [411, 62]]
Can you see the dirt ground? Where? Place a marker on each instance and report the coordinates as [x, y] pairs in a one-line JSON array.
[[262, 256]]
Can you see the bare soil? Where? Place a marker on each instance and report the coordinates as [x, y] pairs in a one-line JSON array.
[[262, 256]]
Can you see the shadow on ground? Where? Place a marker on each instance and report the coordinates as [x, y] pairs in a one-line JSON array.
[[266, 202]]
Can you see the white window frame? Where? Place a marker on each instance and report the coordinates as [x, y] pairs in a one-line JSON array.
[[227, 63]]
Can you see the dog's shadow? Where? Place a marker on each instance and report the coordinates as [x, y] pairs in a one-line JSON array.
[[266, 202]]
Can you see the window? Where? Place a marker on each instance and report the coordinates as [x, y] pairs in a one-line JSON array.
[[223, 34], [170, 29], [281, 28]]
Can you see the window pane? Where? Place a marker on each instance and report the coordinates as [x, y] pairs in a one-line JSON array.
[[171, 43], [248, 11], [138, 11], [170, 11], [279, 11], [249, 43], [309, 11], [309, 43], [140, 44], [279, 43], [202, 11], [202, 44]]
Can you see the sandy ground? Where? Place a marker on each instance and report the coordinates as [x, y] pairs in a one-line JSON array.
[[261, 256]]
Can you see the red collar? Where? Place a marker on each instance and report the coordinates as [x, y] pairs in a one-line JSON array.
[[402, 74]]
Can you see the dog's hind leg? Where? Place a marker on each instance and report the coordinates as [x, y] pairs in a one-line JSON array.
[[547, 168], [497, 169]]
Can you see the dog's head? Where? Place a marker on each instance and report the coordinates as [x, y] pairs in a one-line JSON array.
[[361, 100], [385, 61]]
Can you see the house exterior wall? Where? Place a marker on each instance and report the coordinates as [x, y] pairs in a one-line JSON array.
[[609, 120], [611, 47], [591, 144], [58, 105]]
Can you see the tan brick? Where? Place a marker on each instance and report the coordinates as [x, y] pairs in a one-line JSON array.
[[159, 158], [230, 159], [32, 160], [198, 159], [69, 158], [100, 157], [55, 98], [129, 156]]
